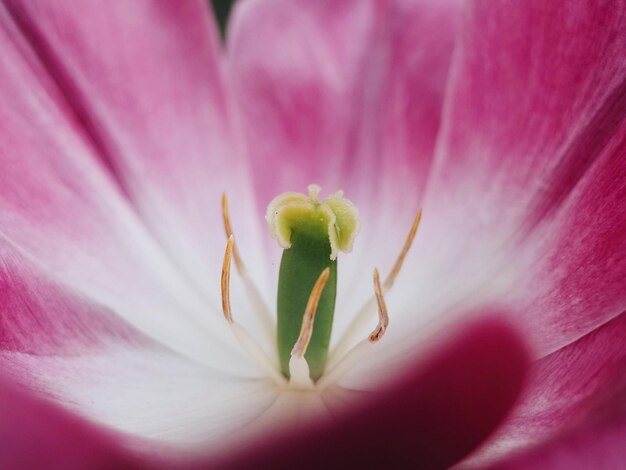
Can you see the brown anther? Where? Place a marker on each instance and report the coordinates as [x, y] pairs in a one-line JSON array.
[[229, 233], [306, 330], [226, 280], [391, 277], [383, 315]]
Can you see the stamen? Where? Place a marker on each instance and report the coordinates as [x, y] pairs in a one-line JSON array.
[[391, 277], [306, 331], [240, 333], [241, 269], [253, 292], [357, 352], [228, 254], [383, 315], [364, 316]]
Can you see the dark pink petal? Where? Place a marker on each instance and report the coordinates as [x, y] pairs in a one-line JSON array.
[[35, 434], [430, 418], [593, 447], [143, 80], [578, 281], [581, 386]]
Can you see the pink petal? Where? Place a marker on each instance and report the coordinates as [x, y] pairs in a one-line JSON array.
[[61, 211], [144, 81], [41, 317], [532, 103], [348, 97], [581, 386], [35, 434], [526, 197], [433, 416], [421, 37]]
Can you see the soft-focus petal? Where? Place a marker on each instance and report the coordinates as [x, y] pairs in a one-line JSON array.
[[144, 80], [350, 96], [430, 418], [301, 103], [579, 386], [420, 36], [43, 436]]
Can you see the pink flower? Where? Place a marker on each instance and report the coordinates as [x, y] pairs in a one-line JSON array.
[[121, 124]]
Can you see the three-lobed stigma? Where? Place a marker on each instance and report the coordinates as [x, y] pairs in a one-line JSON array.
[[334, 218]]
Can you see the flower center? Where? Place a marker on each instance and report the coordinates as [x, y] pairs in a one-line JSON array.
[[311, 232]]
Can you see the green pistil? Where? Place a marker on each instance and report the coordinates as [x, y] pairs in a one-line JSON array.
[[312, 232]]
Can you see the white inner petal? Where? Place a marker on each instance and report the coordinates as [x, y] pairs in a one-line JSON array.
[[154, 394]]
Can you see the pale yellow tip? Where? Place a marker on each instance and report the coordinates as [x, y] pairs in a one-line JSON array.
[[334, 217]]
